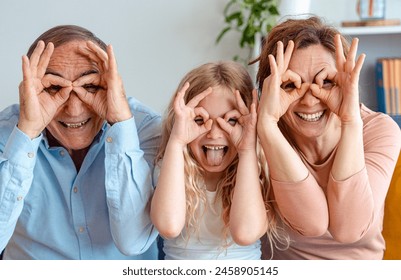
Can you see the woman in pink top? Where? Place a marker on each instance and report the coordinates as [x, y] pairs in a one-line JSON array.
[[330, 158]]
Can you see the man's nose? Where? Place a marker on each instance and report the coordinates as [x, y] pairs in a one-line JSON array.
[[74, 106]]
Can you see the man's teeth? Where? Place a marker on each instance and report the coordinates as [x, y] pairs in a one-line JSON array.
[[214, 147], [75, 125], [310, 117]]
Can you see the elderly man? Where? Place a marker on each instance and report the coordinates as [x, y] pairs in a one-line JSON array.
[[76, 156]]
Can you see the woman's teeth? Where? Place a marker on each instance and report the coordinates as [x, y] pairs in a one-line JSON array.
[[310, 117]]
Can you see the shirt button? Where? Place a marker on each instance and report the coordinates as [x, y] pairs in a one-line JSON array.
[[81, 229], [31, 155], [109, 140], [75, 189], [19, 198], [62, 153]]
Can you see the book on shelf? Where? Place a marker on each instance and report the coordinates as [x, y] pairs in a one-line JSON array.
[[388, 85]]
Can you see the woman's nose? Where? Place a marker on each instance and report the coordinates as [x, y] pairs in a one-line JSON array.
[[309, 99]]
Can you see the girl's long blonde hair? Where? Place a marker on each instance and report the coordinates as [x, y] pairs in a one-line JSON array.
[[233, 76]]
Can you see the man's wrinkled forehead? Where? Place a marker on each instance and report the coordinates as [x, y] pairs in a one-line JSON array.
[[70, 63]]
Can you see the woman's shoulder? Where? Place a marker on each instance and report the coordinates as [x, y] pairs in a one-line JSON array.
[[377, 121], [379, 129]]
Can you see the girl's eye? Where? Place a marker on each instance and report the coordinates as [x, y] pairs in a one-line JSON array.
[[91, 88], [53, 89], [199, 120], [232, 121], [288, 86], [328, 84]]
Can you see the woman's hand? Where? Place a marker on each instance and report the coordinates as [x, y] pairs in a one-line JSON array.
[[41, 95], [240, 124], [281, 88], [103, 91], [190, 121], [339, 90]]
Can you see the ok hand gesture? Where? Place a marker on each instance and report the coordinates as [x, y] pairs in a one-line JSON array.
[[190, 121], [41, 95], [103, 91], [342, 97], [275, 100], [240, 124]]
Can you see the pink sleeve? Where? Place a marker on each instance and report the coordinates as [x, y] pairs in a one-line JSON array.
[[355, 202], [348, 207], [302, 205]]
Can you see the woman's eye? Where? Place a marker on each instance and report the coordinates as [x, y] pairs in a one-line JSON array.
[[53, 89], [91, 88], [199, 121], [232, 121], [328, 84], [288, 86]]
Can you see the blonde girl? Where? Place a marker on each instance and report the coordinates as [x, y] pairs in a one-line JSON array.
[[211, 198]]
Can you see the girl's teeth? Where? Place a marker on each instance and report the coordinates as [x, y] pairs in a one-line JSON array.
[[214, 147], [311, 117]]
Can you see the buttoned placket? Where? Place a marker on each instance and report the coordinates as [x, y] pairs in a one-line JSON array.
[[78, 212]]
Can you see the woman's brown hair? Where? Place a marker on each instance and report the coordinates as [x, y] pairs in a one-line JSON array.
[[304, 32]]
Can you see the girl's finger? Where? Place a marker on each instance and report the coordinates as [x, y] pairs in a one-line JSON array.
[[179, 99], [200, 111], [232, 115], [198, 98], [225, 125], [240, 103]]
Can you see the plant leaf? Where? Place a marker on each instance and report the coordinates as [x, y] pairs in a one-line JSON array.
[[224, 31]]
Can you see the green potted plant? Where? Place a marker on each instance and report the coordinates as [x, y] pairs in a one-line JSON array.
[[253, 19]]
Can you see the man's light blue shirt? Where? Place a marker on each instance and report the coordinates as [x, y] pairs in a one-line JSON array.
[[49, 211]]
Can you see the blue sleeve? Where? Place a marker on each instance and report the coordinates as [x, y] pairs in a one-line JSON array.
[[17, 161], [130, 150]]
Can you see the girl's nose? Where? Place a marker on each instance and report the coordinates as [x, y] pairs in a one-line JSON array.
[[216, 131]]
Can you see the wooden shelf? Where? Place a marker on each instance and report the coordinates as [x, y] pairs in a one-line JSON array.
[[370, 30]]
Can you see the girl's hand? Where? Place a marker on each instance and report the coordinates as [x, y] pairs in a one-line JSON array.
[[339, 90], [190, 121], [281, 87], [240, 124], [41, 95], [103, 91]]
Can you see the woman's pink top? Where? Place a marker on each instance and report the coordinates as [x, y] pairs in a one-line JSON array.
[[382, 141]]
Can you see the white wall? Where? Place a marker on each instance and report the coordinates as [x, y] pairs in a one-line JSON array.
[[156, 42]]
